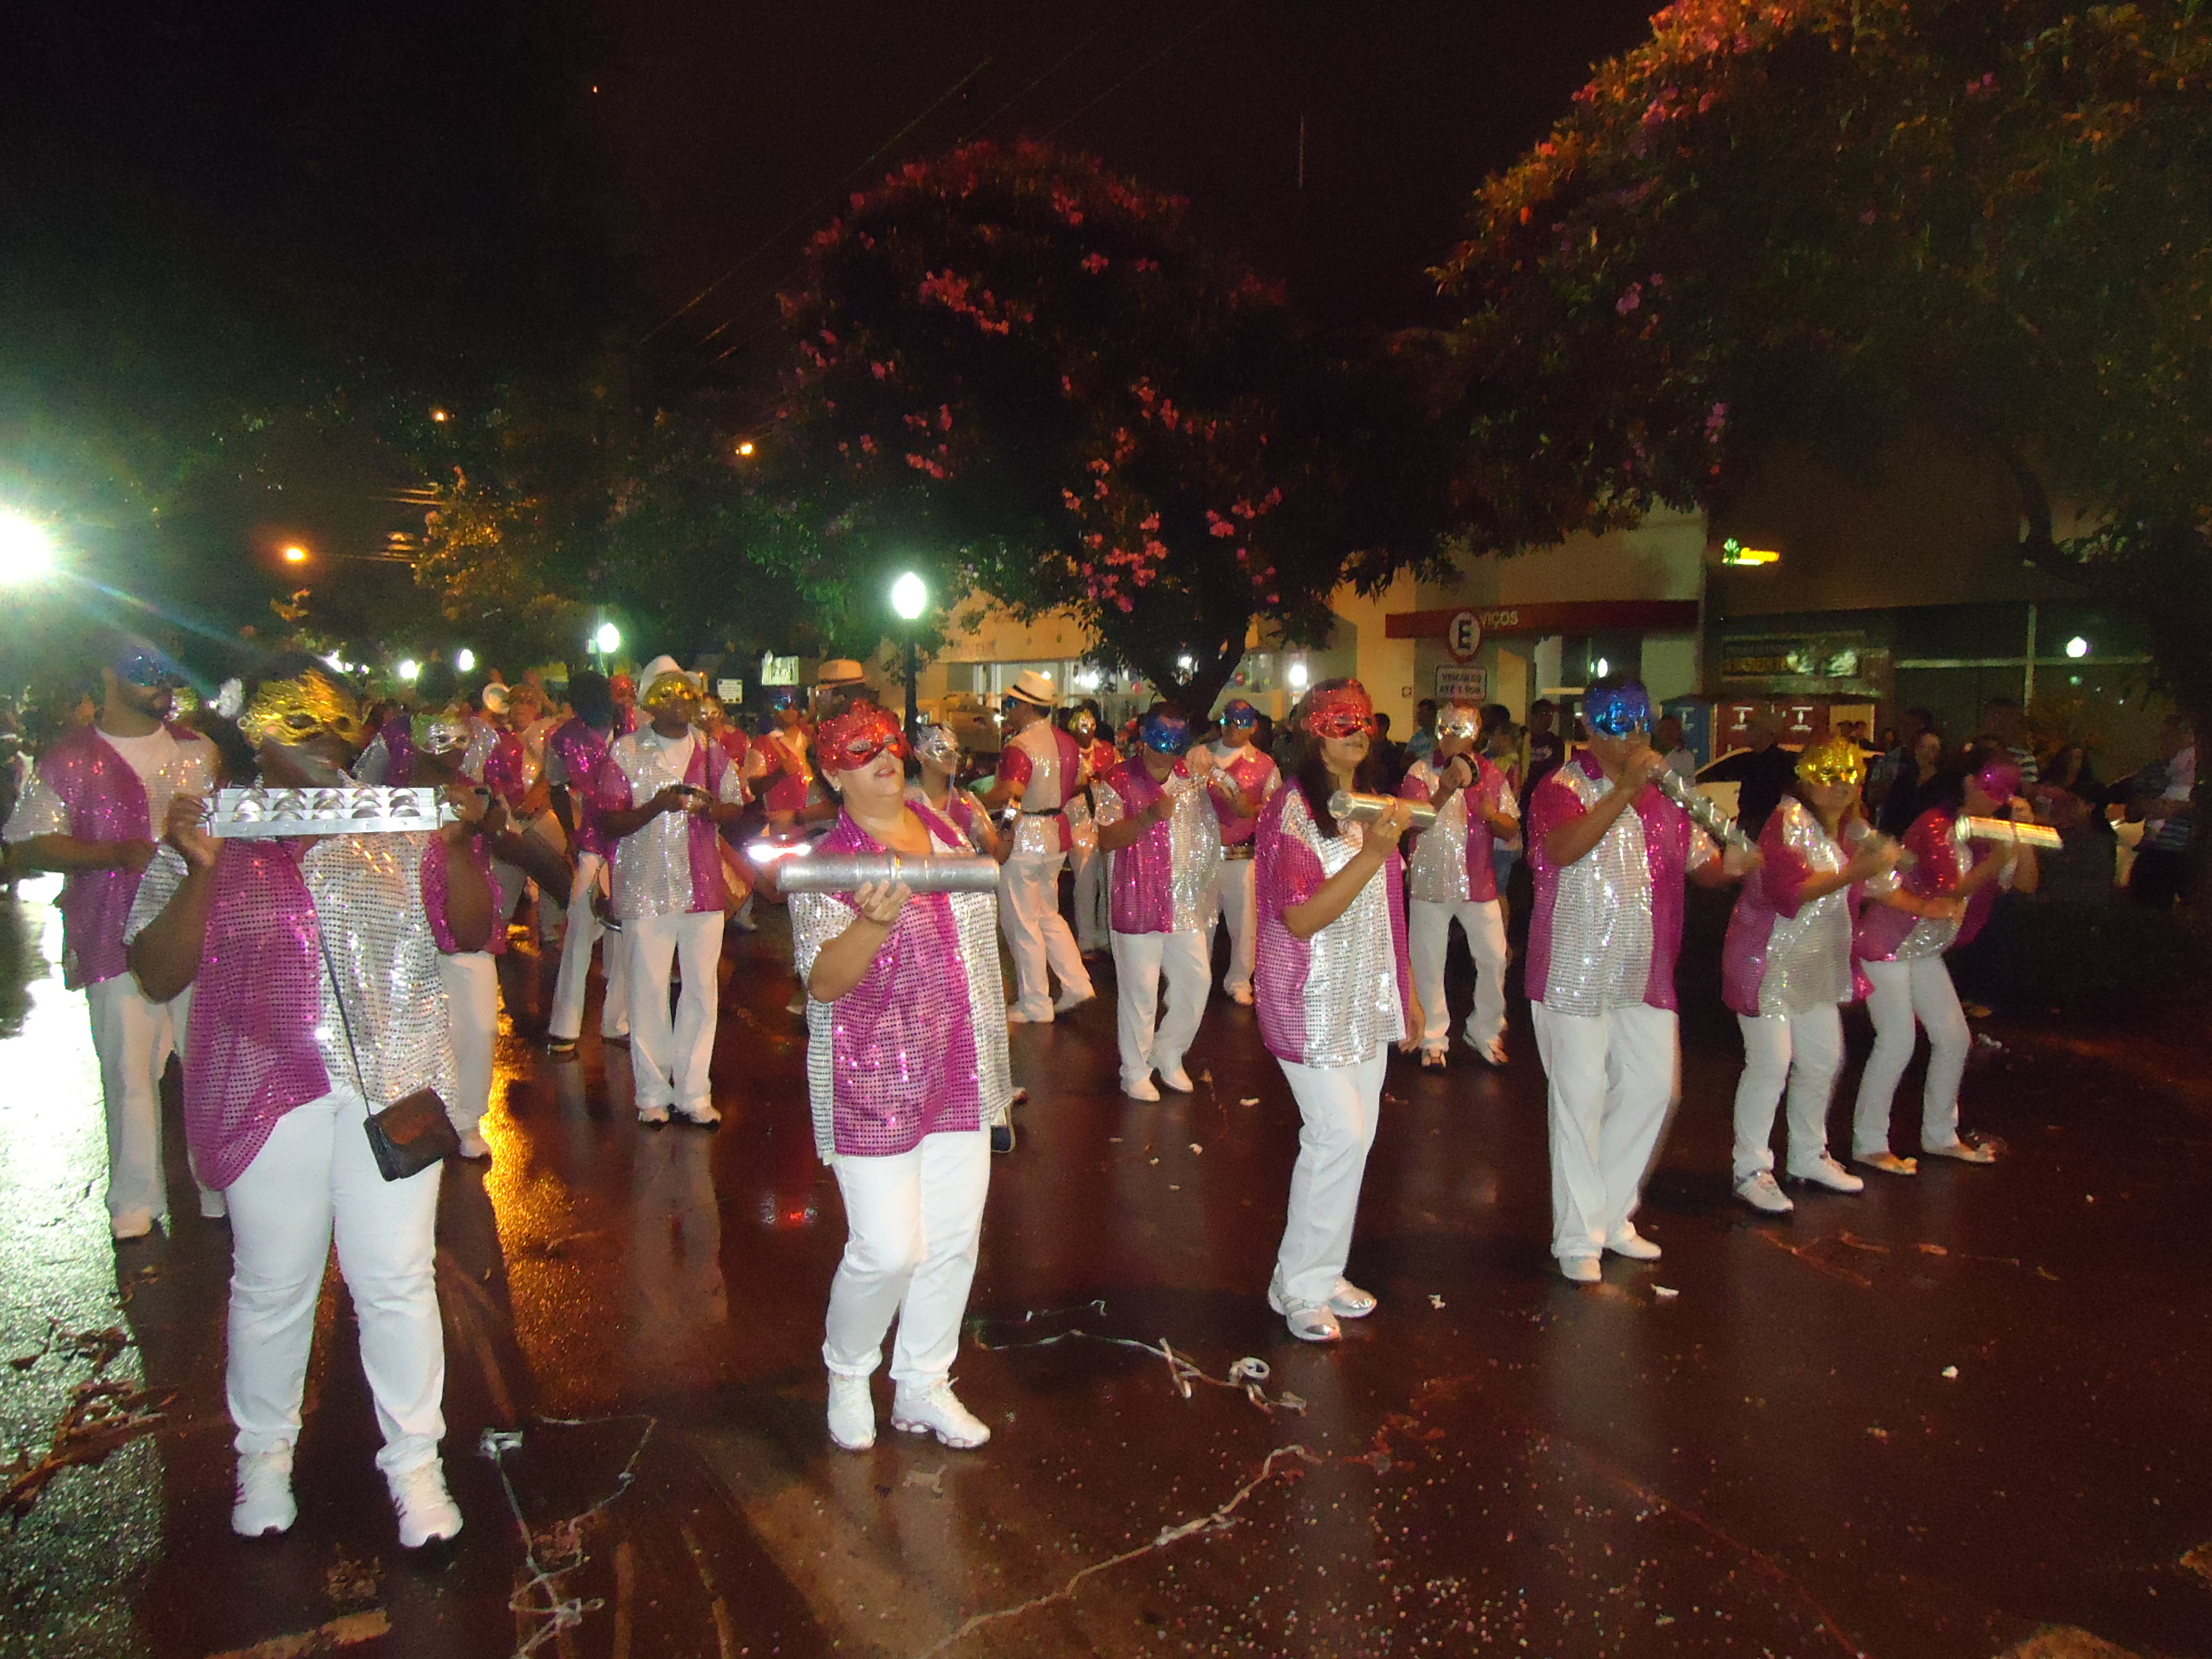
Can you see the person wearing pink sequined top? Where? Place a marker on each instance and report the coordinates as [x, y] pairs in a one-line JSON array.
[[1786, 970], [316, 962], [93, 810], [1243, 779], [1454, 879], [574, 752], [1335, 992], [1916, 916], [1155, 825], [907, 1069], [1610, 853]]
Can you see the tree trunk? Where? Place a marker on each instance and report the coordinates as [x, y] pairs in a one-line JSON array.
[[1194, 691]]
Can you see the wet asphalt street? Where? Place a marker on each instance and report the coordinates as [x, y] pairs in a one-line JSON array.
[[1967, 1414]]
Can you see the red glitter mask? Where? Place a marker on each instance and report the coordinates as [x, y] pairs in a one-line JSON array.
[[1340, 711], [857, 737]]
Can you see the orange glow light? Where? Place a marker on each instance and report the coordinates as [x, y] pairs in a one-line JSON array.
[[747, 447], [295, 555]]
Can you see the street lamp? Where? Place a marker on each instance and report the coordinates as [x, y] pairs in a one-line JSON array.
[[464, 661], [27, 551], [909, 599], [294, 554], [408, 671]]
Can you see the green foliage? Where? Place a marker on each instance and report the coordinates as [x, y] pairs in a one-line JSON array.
[[1027, 376], [1813, 220]]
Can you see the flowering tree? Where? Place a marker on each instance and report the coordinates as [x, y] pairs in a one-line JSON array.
[[1028, 373], [1787, 219]]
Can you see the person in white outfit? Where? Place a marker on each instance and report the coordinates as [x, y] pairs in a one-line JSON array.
[[95, 806], [576, 750], [906, 1071], [1454, 879], [1916, 916], [1243, 779], [1153, 819], [319, 1006], [661, 794], [1786, 969], [1039, 769], [1610, 853], [1335, 992]]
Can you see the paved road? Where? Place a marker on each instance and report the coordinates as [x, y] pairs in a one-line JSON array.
[[1963, 1415]]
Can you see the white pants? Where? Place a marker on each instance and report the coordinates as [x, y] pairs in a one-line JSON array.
[[1147, 1039], [1428, 928], [566, 1022], [1093, 898], [913, 1222], [316, 1178], [1907, 992], [1232, 902], [1037, 933], [1338, 1106], [1611, 1079], [670, 1064], [471, 982], [133, 1039], [1807, 1050]]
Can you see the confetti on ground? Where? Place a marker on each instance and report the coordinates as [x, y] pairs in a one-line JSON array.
[[1951, 1373], [1665, 1292], [1434, 1301], [1250, 1100], [1195, 1148]]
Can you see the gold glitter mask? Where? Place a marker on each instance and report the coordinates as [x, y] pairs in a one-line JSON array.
[[300, 710], [668, 691], [1831, 760]]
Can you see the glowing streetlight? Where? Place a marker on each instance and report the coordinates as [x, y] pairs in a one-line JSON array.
[[27, 551], [464, 661], [440, 417], [1297, 675], [745, 447], [1603, 667], [408, 671], [2077, 646], [293, 553], [608, 640], [909, 597]]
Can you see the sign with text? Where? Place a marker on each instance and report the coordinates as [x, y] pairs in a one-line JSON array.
[[779, 670], [1463, 636], [730, 691], [1468, 684]]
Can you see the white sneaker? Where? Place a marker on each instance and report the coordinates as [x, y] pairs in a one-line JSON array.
[[1309, 1321], [852, 1412], [938, 1411], [1581, 1269], [473, 1145], [1241, 995], [264, 1503], [428, 1514], [655, 1115], [703, 1114], [1627, 1241], [1348, 1301], [1830, 1173], [1017, 1015], [1176, 1078], [131, 1224], [1762, 1192], [1140, 1089], [1070, 999]]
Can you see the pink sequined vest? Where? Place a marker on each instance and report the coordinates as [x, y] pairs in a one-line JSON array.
[[105, 802]]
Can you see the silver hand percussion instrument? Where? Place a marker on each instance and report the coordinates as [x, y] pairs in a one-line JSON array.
[[1704, 811], [798, 871], [265, 814], [1368, 809], [2019, 835]]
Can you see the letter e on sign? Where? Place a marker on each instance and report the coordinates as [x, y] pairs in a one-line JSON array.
[[1463, 636]]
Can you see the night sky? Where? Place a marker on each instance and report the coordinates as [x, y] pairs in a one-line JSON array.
[[210, 209]]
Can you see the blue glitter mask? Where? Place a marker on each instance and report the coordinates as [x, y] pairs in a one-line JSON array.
[[1165, 734], [1241, 712], [1615, 711]]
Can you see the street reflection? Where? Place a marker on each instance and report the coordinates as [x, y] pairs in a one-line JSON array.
[[77, 1558]]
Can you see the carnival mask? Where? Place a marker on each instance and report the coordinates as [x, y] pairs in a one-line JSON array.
[[1833, 760], [300, 710], [855, 738], [1342, 711], [1165, 733], [1618, 711]]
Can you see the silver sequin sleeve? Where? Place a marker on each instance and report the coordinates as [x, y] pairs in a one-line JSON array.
[[1808, 955]]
